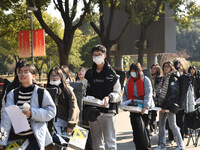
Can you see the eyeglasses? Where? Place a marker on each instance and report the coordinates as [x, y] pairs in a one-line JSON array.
[[166, 66], [54, 76], [23, 72], [97, 55]]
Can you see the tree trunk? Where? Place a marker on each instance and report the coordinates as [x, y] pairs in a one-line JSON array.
[[141, 44], [39, 76], [64, 53], [108, 46], [64, 48]]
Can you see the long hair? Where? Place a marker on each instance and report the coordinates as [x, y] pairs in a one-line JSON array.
[[170, 65], [137, 68], [159, 71], [66, 71], [77, 78], [60, 73], [193, 67]]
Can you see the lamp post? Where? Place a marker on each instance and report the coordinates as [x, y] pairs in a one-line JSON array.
[[31, 19]]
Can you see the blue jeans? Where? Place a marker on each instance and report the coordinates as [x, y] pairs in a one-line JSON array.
[[173, 126], [60, 126]]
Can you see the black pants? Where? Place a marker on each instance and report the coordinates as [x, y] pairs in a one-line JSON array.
[[33, 145], [139, 125], [153, 118], [180, 123]]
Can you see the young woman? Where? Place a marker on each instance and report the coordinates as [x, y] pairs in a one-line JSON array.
[[38, 134], [193, 73], [66, 102], [156, 73], [180, 115], [81, 74], [66, 73], [138, 88], [168, 96], [80, 79]]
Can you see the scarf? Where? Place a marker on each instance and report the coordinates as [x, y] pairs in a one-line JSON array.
[[140, 88], [164, 86]]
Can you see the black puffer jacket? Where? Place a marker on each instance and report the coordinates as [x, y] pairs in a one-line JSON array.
[[184, 82], [171, 99]]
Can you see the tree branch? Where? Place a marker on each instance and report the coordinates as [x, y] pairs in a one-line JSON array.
[[38, 15], [101, 16], [123, 31], [56, 5], [95, 28], [62, 12], [110, 21], [155, 12], [86, 7], [74, 10]]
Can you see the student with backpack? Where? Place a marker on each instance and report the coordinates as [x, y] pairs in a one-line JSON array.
[[67, 108], [37, 116]]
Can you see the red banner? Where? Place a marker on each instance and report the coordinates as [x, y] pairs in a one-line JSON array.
[[39, 43], [24, 44]]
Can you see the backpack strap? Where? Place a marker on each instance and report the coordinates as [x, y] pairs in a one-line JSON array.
[[16, 93], [40, 92]]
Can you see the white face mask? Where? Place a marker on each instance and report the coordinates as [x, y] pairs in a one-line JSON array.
[[55, 82], [98, 59], [133, 74]]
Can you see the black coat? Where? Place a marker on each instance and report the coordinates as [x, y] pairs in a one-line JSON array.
[[184, 82], [172, 97]]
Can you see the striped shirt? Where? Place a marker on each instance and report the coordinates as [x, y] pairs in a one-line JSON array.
[[25, 97]]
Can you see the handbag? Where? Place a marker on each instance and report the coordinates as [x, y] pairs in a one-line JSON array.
[[90, 113]]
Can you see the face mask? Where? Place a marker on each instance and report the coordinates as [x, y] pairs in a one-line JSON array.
[[98, 59], [55, 82], [133, 74]]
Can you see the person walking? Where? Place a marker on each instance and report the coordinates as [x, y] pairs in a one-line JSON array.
[[168, 96], [103, 84]]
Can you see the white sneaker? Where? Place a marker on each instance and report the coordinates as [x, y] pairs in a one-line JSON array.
[[159, 148]]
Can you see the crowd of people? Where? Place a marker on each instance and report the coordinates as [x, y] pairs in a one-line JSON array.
[[169, 87]]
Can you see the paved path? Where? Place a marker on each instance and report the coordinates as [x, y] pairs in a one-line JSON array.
[[124, 135]]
